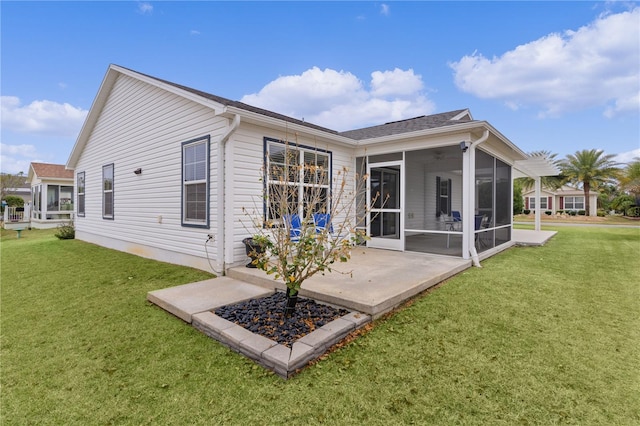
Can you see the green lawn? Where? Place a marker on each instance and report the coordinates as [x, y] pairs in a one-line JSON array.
[[541, 335]]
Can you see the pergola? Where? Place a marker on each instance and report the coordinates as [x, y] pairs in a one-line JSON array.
[[536, 167]]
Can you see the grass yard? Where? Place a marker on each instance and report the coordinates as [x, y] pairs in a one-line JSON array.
[[542, 335]]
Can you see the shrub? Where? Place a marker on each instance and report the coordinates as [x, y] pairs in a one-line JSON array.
[[526, 211], [548, 212], [12, 201], [633, 212], [581, 212], [601, 213], [66, 232], [572, 212]]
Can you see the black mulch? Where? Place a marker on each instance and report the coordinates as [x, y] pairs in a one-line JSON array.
[[265, 316]]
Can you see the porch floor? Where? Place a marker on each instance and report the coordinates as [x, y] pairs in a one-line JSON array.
[[527, 237], [374, 281]]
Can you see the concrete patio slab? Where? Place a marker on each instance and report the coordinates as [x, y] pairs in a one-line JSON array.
[[374, 281], [186, 300], [527, 237]]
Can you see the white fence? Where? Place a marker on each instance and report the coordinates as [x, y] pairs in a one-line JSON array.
[[16, 214]]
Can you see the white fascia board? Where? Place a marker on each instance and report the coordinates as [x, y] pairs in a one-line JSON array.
[[462, 114], [454, 128]]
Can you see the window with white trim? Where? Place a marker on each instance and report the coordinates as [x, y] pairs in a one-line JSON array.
[[195, 182], [532, 203], [80, 191], [107, 191], [297, 179], [574, 203]]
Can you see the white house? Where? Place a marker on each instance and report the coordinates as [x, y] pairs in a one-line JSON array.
[[566, 198], [52, 194], [160, 167]]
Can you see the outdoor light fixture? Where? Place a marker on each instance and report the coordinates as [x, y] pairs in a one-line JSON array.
[[464, 146], [138, 171]]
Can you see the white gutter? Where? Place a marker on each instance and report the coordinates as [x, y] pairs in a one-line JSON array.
[[469, 196], [221, 173]]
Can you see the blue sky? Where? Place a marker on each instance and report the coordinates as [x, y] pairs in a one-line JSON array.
[[554, 76]]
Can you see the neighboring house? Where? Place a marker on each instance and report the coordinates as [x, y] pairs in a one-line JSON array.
[[565, 198], [23, 191], [52, 191], [159, 167]]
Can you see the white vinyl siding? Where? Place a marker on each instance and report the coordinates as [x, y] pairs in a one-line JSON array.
[[141, 126], [195, 181]]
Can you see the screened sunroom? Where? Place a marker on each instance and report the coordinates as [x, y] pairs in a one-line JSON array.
[[418, 200]]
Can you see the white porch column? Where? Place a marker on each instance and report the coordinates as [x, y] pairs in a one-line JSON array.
[[538, 209], [468, 178]]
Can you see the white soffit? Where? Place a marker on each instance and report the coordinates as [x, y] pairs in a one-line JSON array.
[[535, 167]]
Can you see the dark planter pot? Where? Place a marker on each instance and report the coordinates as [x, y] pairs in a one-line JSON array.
[[290, 306], [253, 250]]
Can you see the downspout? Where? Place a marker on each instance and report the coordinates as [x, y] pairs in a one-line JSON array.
[[468, 220], [220, 232]]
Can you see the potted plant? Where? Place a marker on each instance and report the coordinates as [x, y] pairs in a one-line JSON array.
[[255, 247]]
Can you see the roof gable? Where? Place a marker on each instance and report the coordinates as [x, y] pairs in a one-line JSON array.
[[50, 171]]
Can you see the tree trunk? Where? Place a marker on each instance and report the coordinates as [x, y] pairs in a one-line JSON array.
[[587, 203], [292, 299]]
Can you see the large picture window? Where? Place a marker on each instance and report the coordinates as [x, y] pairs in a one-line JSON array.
[[297, 180], [195, 182], [107, 191], [80, 189]]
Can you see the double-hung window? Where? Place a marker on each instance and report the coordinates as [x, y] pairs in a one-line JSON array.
[[80, 192], [543, 203], [297, 180], [574, 203], [195, 182], [107, 191]]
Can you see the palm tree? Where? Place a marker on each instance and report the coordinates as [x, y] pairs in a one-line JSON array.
[[589, 168], [630, 179], [548, 182]]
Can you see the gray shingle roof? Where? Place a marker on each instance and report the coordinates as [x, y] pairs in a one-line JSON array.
[[409, 125], [387, 129]]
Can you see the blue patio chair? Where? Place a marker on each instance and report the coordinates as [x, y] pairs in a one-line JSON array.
[[321, 220], [294, 225], [456, 216]]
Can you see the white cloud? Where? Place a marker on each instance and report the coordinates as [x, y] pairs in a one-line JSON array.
[[340, 101], [41, 117], [194, 32], [596, 66], [16, 158], [396, 82], [384, 9], [145, 8], [627, 157]]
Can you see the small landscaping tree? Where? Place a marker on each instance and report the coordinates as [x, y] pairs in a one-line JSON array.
[[308, 220]]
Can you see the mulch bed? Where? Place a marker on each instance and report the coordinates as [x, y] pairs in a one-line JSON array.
[[265, 316]]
